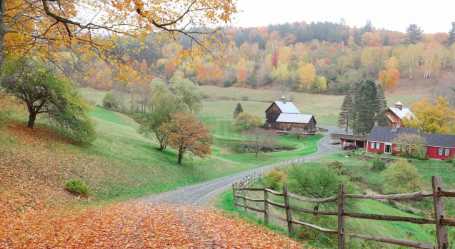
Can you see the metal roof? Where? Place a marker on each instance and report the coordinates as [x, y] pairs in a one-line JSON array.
[[287, 107], [404, 112], [385, 134], [294, 118]]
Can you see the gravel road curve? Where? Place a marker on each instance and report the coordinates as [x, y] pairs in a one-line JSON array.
[[200, 193]]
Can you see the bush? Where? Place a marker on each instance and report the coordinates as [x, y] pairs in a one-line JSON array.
[[378, 164], [379, 152], [275, 179], [244, 98], [77, 187], [449, 160], [229, 83], [394, 153], [401, 177]]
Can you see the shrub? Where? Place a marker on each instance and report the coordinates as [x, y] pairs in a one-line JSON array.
[[394, 153], [275, 179], [449, 160], [229, 83], [336, 165], [77, 187], [378, 164], [379, 152], [244, 98], [401, 177]]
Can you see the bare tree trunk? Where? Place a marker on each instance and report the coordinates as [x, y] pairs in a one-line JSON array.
[[31, 119], [180, 158]]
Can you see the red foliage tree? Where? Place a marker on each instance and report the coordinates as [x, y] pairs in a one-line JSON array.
[[170, 67], [275, 58]]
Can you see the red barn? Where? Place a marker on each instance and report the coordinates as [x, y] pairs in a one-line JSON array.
[[397, 113], [438, 146], [284, 116]]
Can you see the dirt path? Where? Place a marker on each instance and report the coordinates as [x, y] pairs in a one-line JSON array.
[[199, 193]]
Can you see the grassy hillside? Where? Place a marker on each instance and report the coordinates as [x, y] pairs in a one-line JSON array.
[[120, 164]]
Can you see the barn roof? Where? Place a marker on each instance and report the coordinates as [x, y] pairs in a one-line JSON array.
[[294, 118], [404, 112], [287, 107], [385, 134]]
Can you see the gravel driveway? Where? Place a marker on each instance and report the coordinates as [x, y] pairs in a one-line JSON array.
[[199, 193]]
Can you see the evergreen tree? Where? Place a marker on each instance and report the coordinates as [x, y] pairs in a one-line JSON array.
[[414, 34], [357, 37], [367, 28], [367, 104], [451, 35], [345, 114], [386, 41], [238, 110], [353, 112], [382, 106]]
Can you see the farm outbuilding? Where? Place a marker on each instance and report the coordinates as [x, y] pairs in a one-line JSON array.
[[284, 116]]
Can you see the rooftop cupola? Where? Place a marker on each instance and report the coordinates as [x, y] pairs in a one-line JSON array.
[[399, 105], [283, 99]]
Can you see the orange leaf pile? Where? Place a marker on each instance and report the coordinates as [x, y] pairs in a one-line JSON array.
[[136, 225]]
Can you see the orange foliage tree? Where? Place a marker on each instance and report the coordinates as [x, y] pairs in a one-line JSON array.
[[202, 75], [389, 77], [170, 67], [307, 75], [241, 76], [188, 135]]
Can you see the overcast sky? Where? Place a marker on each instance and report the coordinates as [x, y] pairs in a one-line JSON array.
[[432, 16]]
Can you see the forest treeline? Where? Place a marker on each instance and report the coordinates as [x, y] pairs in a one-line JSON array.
[[315, 57]]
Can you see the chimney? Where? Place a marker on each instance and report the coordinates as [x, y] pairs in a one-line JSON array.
[[394, 126], [376, 123], [283, 99], [399, 105]]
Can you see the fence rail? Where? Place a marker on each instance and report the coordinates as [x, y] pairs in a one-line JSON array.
[[438, 194]]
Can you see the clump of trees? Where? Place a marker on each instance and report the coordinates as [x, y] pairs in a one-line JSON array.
[[47, 93], [171, 118], [362, 106], [432, 116]]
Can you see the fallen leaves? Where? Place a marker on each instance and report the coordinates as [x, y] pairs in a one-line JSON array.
[[136, 225]]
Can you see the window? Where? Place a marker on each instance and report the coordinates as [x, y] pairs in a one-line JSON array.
[[378, 146], [447, 152], [372, 145], [425, 150], [440, 151]]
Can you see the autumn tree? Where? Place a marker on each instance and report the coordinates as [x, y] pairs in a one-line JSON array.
[[189, 96], [238, 110], [170, 67], [257, 139], [48, 93], [275, 58], [188, 135], [321, 84], [307, 76], [413, 34], [432, 117], [42, 28], [241, 76], [389, 77], [410, 143]]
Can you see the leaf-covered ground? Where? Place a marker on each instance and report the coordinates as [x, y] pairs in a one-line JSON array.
[[136, 225]]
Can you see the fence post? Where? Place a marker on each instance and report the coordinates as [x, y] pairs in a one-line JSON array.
[[234, 185], [341, 218], [288, 210], [244, 197], [266, 205], [439, 213]]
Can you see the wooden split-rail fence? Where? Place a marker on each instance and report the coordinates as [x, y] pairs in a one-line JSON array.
[[438, 194]]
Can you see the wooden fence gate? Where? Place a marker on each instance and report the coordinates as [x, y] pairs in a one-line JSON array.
[[438, 194]]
